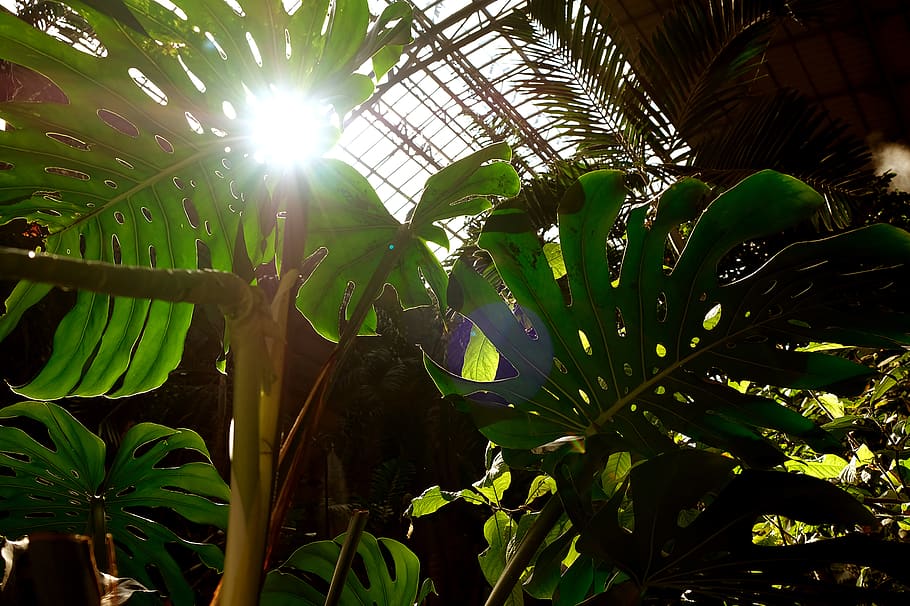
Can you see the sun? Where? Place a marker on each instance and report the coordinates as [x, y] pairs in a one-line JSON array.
[[286, 129]]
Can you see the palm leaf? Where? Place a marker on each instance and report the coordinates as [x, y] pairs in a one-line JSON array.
[[577, 71], [785, 132]]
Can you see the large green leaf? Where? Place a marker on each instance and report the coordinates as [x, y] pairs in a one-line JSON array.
[[596, 356], [57, 481], [714, 556], [391, 575], [364, 240], [154, 157]]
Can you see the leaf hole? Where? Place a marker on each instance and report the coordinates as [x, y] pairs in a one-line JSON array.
[[254, 49], [620, 323], [660, 390], [603, 383], [110, 183], [118, 217], [585, 343], [67, 172], [208, 228], [712, 318], [119, 124], [194, 124], [805, 289], [39, 515], [694, 342], [128, 490], [584, 397], [165, 145], [21, 457], [214, 42], [228, 108], [627, 369], [560, 366], [70, 141], [147, 86], [136, 532], [191, 214], [6, 165], [153, 256], [197, 82], [49, 211], [662, 307], [116, 251], [125, 163], [234, 192], [146, 213], [178, 182], [203, 256], [359, 569], [219, 174], [661, 350]]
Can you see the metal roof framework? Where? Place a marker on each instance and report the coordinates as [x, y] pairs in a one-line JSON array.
[[457, 80]]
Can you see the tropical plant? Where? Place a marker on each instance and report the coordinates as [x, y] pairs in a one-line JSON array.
[[391, 575], [59, 482], [640, 358], [155, 167], [685, 101]]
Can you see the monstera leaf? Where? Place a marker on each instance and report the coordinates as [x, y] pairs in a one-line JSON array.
[[389, 575], [713, 556], [54, 479], [616, 352], [155, 160], [364, 240]]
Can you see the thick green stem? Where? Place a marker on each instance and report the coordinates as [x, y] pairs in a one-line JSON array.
[[185, 285], [531, 542], [346, 556], [256, 340]]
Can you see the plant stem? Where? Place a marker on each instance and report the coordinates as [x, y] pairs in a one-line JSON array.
[[180, 285], [346, 556], [291, 457], [531, 542]]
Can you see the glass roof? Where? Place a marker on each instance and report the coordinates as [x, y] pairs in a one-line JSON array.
[[445, 99]]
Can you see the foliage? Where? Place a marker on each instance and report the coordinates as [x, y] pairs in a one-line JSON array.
[[692, 533], [666, 342], [657, 355], [684, 101], [58, 482], [153, 160], [364, 240], [389, 575]]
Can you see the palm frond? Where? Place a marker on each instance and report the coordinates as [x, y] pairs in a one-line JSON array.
[[785, 132], [578, 73]]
